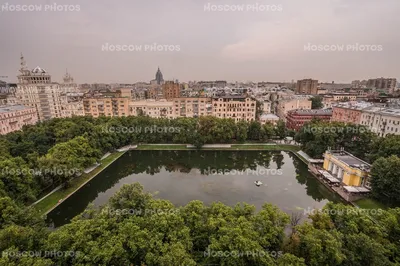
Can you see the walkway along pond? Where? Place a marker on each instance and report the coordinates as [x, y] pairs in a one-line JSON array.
[[207, 175]]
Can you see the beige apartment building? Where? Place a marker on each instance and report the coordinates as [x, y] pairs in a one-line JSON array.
[[35, 89], [152, 108], [287, 105], [106, 106], [235, 107], [14, 117], [307, 86], [192, 106]]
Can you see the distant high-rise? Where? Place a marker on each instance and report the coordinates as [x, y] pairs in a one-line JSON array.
[[307, 86], [159, 77], [386, 84], [50, 100]]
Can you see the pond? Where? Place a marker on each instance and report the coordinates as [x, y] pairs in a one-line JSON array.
[[225, 176]]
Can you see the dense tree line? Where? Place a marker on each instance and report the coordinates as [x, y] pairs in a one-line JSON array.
[[317, 136], [51, 153], [196, 234]]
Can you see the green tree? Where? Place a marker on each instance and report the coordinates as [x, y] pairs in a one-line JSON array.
[[316, 102], [385, 180]]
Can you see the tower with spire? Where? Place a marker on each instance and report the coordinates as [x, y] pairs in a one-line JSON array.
[[159, 77]]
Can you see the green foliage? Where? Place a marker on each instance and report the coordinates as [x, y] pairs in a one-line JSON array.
[[316, 102], [315, 138], [385, 180], [155, 232]]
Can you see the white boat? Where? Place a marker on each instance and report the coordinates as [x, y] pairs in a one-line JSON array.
[[258, 183]]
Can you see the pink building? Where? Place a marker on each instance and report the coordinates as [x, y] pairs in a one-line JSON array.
[[348, 112], [14, 117]]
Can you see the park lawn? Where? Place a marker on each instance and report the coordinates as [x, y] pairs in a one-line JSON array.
[[51, 201], [368, 203]]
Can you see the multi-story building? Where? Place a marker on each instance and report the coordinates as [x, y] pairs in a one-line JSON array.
[[152, 108], [307, 86], [382, 121], [235, 107], [171, 89], [347, 168], [106, 106], [269, 118], [286, 105], [296, 119], [387, 85], [192, 106], [266, 107], [349, 112], [35, 89], [154, 93], [14, 117]]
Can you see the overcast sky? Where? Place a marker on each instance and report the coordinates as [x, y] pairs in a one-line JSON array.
[[228, 45]]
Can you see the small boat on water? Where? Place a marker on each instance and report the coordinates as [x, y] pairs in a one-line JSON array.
[[258, 183]]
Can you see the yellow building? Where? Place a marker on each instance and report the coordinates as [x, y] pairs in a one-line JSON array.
[[349, 169]]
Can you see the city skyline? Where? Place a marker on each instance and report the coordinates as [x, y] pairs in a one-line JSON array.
[[207, 44]]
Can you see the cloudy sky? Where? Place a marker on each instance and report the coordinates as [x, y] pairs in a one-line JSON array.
[[264, 45]]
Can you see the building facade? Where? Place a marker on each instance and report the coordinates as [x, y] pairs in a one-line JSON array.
[[235, 107], [35, 89], [387, 85], [152, 108], [106, 106], [348, 112], [284, 106], [307, 86], [192, 106], [14, 117], [296, 119], [171, 89], [349, 169]]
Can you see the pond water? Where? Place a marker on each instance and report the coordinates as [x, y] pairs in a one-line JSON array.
[[225, 176]]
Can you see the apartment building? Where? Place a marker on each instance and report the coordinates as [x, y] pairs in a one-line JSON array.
[[286, 105], [296, 119], [387, 85], [152, 108], [235, 107], [382, 121], [14, 117], [106, 106], [192, 106], [378, 119], [171, 89], [35, 89], [307, 86], [349, 112]]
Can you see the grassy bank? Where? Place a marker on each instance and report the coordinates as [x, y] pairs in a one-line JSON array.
[[368, 203], [51, 201], [279, 147], [161, 147]]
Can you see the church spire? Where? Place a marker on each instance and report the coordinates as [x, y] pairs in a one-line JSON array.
[[159, 77]]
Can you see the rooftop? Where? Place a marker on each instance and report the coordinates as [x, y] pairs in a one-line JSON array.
[[350, 159], [312, 111]]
